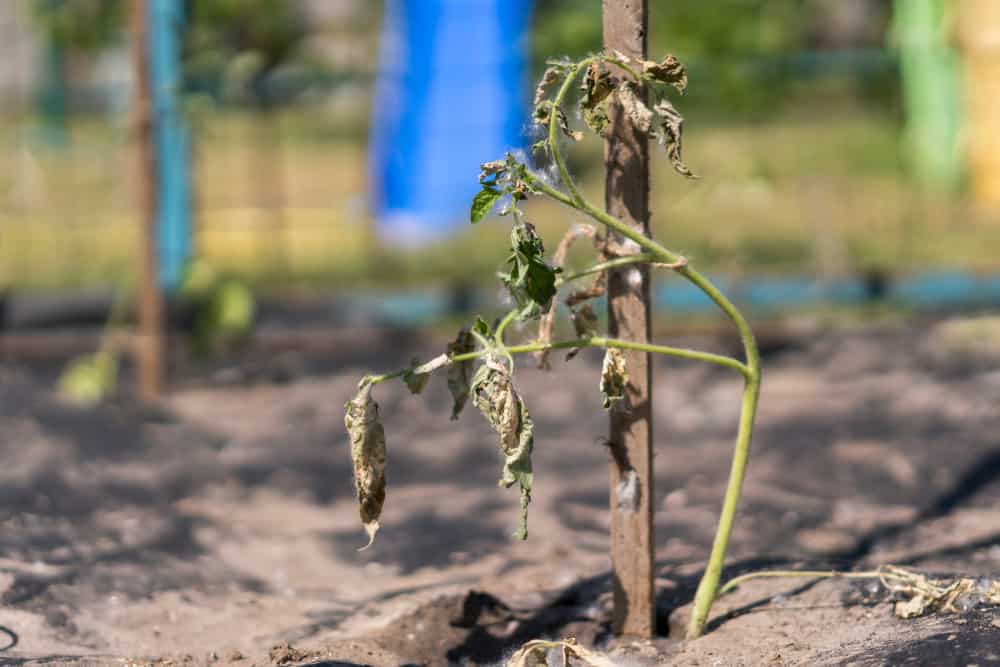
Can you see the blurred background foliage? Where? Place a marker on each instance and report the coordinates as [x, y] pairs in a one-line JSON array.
[[794, 119]]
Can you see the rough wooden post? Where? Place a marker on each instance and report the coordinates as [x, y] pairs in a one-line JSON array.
[[149, 341], [626, 192]]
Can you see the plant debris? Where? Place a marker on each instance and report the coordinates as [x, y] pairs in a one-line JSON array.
[[924, 595], [536, 654]]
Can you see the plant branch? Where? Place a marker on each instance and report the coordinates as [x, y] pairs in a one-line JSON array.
[[643, 258], [708, 587], [595, 341], [785, 574], [554, 126]]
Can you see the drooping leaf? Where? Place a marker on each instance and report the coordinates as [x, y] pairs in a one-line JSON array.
[[483, 203], [481, 327], [368, 456], [494, 394], [418, 374], [551, 75], [669, 71], [542, 112], [614, 378], [488, 171], [597, 89], [529, 278], [460, 372], [597, 118], [634, 107], [670, 125]]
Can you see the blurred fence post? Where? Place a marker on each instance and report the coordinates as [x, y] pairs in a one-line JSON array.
[[979, 38], [149, 341], [626, 194], [930, 92], [173, 141]]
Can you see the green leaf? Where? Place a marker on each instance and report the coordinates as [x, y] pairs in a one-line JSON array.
[[530, 279], [483, 203], [481, 327]]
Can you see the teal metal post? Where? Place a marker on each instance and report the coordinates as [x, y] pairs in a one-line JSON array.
[[173, 140], [931, 92]]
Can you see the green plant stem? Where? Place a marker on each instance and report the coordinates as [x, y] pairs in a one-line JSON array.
[[554, 127], [642, 258], [596, 341], [786, 574], [709, 584]]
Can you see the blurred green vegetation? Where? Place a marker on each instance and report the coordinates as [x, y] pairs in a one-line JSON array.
[[801, 172], [810, 190]]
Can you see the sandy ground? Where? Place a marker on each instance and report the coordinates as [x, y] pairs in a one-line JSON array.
[[221, 528]]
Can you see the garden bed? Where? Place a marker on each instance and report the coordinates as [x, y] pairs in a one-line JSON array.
[[222, 527]]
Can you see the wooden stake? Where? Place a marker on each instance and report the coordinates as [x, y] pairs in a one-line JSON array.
[[626, 194], [149, 341]]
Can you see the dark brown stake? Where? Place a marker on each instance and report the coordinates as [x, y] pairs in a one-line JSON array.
[[149, 341], [626, 195]]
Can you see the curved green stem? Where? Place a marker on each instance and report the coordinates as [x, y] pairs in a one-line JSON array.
[[642, 258], [554, 126], [787, 574], [709, 585], [596, 341]]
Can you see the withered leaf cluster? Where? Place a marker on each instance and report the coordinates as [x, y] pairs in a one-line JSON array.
[[494, 394]]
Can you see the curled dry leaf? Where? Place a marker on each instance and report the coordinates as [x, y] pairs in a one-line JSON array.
[[460, 372], [416, 377], [669, 70], [535, 654], [551, 75], [670, 125], [634, 107], [368, 456], [597, 89], [614, 378], [494, 394], [493, 168], [924, 595]]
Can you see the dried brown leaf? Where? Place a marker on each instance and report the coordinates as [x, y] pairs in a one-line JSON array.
[[614, 378], [494, 394], [368, 455], [634, 107], [460, 372], [669, 70], [670, 125], [535, 654]]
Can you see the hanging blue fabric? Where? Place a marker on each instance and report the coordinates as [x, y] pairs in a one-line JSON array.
[[449, 96], [173, 143]]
